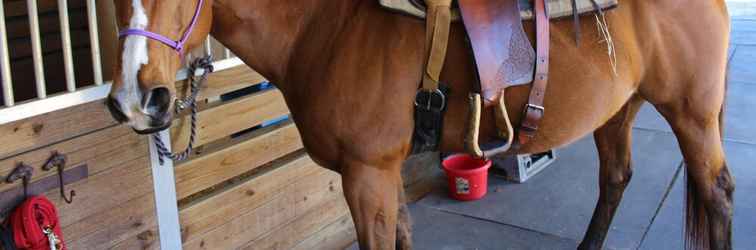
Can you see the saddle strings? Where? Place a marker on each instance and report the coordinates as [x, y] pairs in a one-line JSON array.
[[181, 104], [603, 30]]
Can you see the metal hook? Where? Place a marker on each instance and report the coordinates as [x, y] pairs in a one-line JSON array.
[[59, 160], [23, 172]]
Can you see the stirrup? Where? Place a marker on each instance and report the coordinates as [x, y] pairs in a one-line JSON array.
[[503, 125]]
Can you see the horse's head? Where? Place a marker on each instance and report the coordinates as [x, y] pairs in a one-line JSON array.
[[155, 35]]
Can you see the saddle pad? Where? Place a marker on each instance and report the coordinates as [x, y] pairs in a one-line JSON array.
[[555, 8]]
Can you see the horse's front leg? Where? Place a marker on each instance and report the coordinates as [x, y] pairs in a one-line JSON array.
[[372, 192], [613, 141]]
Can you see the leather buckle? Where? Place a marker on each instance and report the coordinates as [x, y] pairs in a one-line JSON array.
[[527, 126], [425, 99]]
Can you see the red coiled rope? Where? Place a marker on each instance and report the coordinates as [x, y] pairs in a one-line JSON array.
[[29, 222]]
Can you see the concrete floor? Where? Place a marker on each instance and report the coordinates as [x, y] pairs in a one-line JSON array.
[[552, 210]]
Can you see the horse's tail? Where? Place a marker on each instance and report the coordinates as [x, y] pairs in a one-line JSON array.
[[696, 219]]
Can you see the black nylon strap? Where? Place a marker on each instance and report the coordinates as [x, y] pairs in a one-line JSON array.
[[429, 122]]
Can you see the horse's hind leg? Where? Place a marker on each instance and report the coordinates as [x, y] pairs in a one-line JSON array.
[[372, 193], [709, 184], [613, 144]]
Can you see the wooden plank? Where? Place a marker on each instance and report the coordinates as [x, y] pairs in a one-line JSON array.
[[330, 209], [105, 191], [221, 82], [338, 235], [129, 223], [206, 215], [295, 200], [223, 120], [243, 155], [146, 240], [250, 225], [53, 127], [43, 130], [100, 150], [421, 174], [417, 190]]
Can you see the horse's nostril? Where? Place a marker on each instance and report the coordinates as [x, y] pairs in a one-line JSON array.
[[115, 110], [157, 101]]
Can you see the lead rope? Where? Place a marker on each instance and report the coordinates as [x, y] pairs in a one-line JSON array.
[[181, 104]]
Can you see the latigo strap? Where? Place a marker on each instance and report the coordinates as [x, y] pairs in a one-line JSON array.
[[430, 101], [534, 110]]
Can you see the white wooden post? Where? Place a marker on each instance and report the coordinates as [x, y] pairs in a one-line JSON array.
[[166, 204]]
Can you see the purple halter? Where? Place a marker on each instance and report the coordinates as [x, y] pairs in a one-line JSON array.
[[176, 45]]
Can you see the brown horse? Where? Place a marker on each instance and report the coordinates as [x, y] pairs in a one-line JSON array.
[[349, 71]]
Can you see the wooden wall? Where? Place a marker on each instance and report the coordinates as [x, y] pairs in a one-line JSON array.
[[254, 189], [247, 186], [257, 189]]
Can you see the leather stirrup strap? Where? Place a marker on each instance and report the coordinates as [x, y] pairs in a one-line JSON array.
[[438, 23], [534, 110]]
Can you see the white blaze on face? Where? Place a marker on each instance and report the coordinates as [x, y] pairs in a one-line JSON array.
[[135, 55]]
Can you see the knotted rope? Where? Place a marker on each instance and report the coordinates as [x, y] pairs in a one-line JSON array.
[[188, 102]]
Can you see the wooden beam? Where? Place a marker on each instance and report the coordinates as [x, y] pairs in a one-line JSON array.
[[100, 150], [207, 214], [225, 81], [306, 225], [241, 156], [236, 116], [338, 235], [105, 191], [43, 130], [293, 201], [422, 174], [111, 227], [146, 240], [164, 190]]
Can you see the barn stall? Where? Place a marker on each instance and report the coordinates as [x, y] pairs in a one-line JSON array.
[[248, 184]]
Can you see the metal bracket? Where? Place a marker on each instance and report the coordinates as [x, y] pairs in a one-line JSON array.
[[59, 160], [22, 172], [12, 197]]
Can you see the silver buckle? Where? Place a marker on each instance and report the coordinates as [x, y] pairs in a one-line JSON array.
[[536, 107], [429, 103]]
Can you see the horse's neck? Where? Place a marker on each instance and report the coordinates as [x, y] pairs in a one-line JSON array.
[[269, 35]]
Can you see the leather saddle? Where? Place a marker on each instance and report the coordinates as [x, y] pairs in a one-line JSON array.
[[555, 9], [503, 54]]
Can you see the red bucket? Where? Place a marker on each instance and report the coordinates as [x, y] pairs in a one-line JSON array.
[[467, 176]]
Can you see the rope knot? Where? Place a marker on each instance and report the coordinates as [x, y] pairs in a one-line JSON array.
[[190, 101]]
